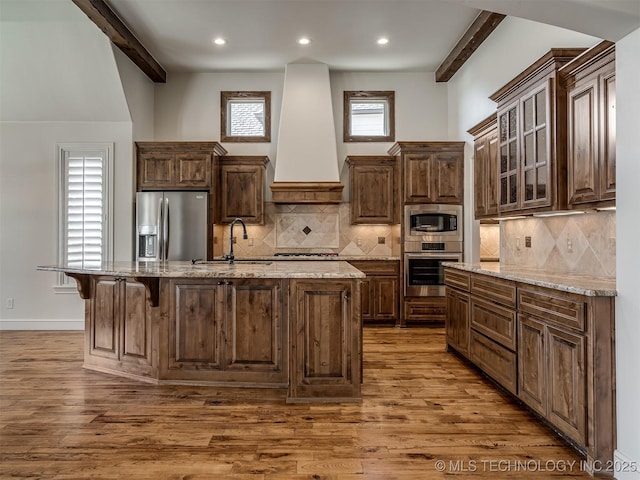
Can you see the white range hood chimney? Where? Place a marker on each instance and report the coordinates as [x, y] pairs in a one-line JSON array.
[[306, 167]]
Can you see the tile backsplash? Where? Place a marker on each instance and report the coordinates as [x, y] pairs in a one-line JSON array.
[[489, 243], [575, 244], [310, 229]]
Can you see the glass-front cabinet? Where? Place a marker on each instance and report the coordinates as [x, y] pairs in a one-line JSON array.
[[532, 116]]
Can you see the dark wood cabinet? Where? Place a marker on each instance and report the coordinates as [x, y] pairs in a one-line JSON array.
[[373, 190], [326, 341], [176, 165], [433, 172], [380, 290], [591, 97], [241, 190], [485, 168], [431, 310], [233, 327], [457, 322], [553, 349], [532, 129], [119, 325]]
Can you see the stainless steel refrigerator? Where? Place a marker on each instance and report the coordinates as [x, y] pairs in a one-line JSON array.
[[171, 225]]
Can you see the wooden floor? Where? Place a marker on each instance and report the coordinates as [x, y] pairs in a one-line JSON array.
[[425, 415]]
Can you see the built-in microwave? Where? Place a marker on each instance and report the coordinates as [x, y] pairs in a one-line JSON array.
[[433, 223]]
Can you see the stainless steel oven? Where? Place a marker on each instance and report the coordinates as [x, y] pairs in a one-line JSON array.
[[433, 223], [424, 273]]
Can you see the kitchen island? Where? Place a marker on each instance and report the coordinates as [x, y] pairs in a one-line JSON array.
[[293, 325]]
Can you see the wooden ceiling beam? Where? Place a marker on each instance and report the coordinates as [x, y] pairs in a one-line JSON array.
[[108, 21], [485, 23]]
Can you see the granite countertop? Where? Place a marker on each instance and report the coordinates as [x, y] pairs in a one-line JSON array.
[[334, 258], [575, 283], [217, 269]]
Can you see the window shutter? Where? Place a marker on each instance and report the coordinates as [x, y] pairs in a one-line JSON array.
[[85, 202]]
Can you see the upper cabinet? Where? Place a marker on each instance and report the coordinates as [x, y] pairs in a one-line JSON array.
[[432, 171], [485, 168], [176, 165], [591, 96], [532, 125], [241, 190], [373, 189]]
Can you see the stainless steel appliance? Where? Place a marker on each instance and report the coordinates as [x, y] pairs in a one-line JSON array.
[[432, 235], [171, 225]]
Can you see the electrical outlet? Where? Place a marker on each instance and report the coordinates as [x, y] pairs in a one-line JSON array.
[[527, 242], [9, 303], [382, 240], [359, 241], [250, 241], [612, 244], [517, 243], [569, 245]]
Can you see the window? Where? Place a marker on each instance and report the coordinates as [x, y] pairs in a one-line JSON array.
[[84, 205], [369, 117], [245, 116]]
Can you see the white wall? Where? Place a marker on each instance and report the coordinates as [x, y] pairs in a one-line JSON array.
[[188, 108], [511, 48], [60, 86], [628, 255]]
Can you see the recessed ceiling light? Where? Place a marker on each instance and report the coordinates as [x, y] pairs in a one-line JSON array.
[[383, 41], [219, 41], [304, 41]]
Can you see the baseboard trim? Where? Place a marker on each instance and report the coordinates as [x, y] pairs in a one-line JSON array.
[[625, 468], [41, 324]]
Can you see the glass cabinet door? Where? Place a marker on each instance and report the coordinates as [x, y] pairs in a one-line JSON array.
[[535, 154], [508, 145]]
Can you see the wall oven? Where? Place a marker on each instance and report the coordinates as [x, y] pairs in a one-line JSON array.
[[432, 235]]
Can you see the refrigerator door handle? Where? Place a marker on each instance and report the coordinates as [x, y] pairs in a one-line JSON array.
[[160, 229], [167, 229]]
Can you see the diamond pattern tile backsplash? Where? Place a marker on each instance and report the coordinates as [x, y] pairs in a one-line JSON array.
[[312, 229], [574, 244]]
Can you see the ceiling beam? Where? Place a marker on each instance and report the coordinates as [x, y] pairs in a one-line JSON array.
[[480, 29], [106, 19]]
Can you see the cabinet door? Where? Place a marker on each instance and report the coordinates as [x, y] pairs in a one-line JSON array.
[[566, 383], [582, 162], [508, 145], [136, 336], [608, 137], [480, 176], [532, 378], [373, 194], [385, 300], [156, 170], [195, 326], [535, 147], [104, 325], [367, 296], [254, 324], [457, 322], [326, 338], [193, 170], [447, 177], [418, 186], [491, 176], [242, 192]]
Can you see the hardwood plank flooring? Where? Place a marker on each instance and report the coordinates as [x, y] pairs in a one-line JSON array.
[[425, 415]]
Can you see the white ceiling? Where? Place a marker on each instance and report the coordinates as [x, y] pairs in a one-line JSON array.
[[262, 34]]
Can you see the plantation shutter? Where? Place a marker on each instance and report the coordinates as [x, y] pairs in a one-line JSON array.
[[85, 208]]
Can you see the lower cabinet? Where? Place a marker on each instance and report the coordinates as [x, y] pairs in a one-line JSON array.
[[553, 349], [227, 331], [326, 341], [380, 290], [425, 309], [119, 326]]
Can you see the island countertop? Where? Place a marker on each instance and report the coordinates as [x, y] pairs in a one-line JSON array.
[[574, 283], [216, 269]]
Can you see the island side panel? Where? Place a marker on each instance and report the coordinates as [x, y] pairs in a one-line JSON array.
[[325, 341]]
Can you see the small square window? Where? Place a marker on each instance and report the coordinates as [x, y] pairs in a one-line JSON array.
[[369, 117], [245, 116]]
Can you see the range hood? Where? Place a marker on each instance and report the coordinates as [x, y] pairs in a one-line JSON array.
[[306, 167]]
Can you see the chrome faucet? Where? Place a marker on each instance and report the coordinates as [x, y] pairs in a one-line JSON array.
[[230, 255]]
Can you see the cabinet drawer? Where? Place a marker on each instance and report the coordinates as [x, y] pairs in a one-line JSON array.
[[557, 308], [433, 309], [496, 322], [496, 289], [495, 360], [377, 267], [456, 279]]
